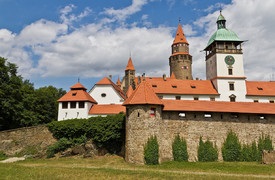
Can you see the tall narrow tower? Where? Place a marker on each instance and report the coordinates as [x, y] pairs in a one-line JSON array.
[[129, 75], [224, 63], [180, 61]]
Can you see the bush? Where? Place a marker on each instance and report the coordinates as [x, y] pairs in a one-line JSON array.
[[179, 148], [107, 132], [264, 143], [61, 145], [231, 150], [207, 152], [2, 155], [249, 152], [151, 151]]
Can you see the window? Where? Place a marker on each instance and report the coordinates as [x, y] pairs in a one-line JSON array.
[[230, 71], [232, 98], [153, 112], [74, 93], [81, 104], [271, 101], [182, 115], [73, 104], [234, 115], [103, 95], [193, 86], [260, 88], [262, 117], [207, 115], [64, 105], [161, 97], [174, 86], [256, 100], [212, 99], [196, 98], [178, 97], [154, 85], [231, 86]]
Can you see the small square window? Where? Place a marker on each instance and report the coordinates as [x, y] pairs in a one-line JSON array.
[[196, 98], [256, 100], [231, 87], [178, 97], [64, 105], [212, 99], [153, 112], [81, 104], [230, 71], [73, 105], [271, 101]]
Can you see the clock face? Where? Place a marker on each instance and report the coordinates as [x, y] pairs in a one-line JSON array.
[[229, 60]]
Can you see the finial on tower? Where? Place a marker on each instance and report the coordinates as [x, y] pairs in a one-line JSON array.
[[179, 19]]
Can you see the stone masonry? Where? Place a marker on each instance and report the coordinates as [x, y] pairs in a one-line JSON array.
[[166, 125]]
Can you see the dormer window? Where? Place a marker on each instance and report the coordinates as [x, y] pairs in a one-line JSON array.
[[193, 86], [174, 86], [103, 95], [260, 88], [74, 93], [154, 86]]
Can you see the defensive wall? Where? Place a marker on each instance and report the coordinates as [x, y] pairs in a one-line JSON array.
[[140, 125], [29, 140]]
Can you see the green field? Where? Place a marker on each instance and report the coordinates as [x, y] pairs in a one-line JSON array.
[[114, 167]]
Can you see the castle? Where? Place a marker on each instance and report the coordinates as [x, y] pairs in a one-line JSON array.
[[178, 105]]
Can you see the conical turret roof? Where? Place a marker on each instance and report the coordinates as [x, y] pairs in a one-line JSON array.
[[180, 37], [130, 65]]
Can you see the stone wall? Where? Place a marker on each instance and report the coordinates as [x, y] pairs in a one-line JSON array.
[[166, 125], [26, 141], [268, 157]]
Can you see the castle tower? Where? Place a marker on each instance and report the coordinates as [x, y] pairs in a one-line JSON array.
[[180, 61], [129, 75], [224, 63]]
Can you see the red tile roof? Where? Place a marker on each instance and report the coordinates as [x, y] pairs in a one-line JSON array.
[[219, 106], [129, 91], [260, 88], [177, 86], [77, 93], [102, 109], [180, 37], [144, 94], [130, 65], [118, 82], [107, 81]]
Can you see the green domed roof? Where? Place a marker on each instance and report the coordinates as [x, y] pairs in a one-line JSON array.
[[223, 34]]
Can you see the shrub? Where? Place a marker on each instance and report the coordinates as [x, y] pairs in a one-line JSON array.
[[207, 152], [179, 148], [61, 145], [231, 150], [151, 151], [264, 143], [107, 132], [2, 155], [249, 152]]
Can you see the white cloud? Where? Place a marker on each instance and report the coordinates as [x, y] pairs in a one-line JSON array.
[[97, 50], [67, 17], [122, 14]]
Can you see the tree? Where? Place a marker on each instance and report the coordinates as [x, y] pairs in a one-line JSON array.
[[10, 96], [179, 148], [20, 104], [231, 150]]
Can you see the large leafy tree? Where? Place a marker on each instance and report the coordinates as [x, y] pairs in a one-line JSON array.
[[21, 104]]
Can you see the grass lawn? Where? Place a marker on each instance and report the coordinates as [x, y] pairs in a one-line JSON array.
[[114, 167]]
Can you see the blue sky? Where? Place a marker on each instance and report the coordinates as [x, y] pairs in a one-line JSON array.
[[55, 42]]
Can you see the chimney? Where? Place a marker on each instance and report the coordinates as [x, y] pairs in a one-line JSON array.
[[164, 77], [110, 77], [143, 76]]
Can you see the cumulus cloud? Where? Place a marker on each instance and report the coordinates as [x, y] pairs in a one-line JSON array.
[[48, 49]]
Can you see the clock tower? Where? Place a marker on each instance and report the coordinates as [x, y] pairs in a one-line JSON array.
[[224, 63]]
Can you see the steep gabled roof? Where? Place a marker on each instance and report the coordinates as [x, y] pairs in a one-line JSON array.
[[77, 93], [180, 37], [144, 94], [219, 106], [118, 82], [260, 88], [107, 81], [102, 109], [130, 65]]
